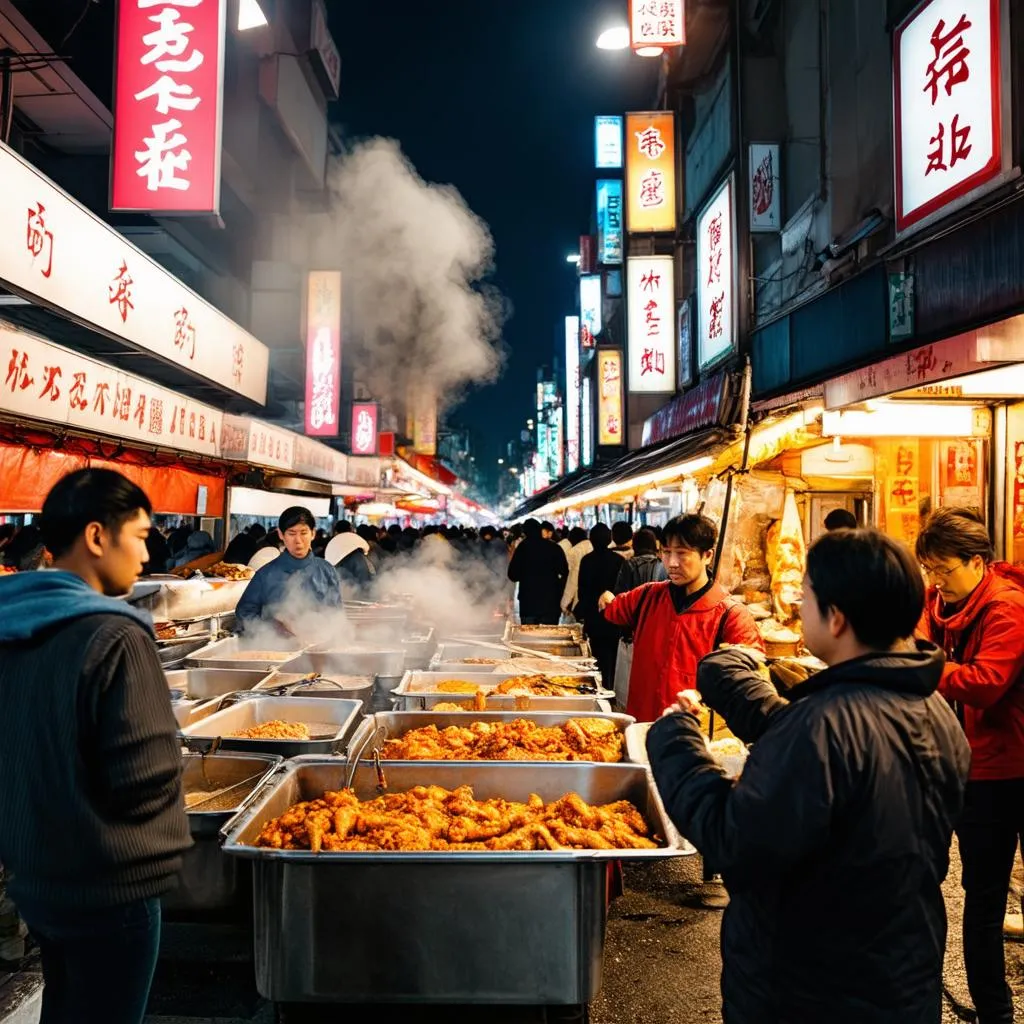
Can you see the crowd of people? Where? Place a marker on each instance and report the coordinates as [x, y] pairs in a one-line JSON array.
[[833, 843]]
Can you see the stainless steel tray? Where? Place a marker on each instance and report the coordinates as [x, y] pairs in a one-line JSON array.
[[210, 881], [205, 683], [517, 634], [338, 718], [385, 725], [177, 652], [419, 648], [473, 927], [427, 683], [229, 654], [352, 659], [426, 702], [293, 684]]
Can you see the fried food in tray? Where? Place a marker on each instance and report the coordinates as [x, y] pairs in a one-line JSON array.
[[274, 730], [580, 739], [231, 571], [432, 818], [545, 686]]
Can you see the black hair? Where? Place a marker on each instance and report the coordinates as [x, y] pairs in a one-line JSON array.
[[88, 496], [644, 542], [872, 579], [256, 531], [622, 533], [841, 519], [547, 526], [532, 528], [297, 515], [955, 533], [692, 531], [576, 535], [600, 536]]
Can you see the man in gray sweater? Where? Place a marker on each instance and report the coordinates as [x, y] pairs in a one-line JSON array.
[[92, 822]]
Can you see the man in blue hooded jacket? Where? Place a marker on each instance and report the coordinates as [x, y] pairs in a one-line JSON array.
[[283, 591], [92, 822]]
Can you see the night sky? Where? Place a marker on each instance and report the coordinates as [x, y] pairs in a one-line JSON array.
[[497, 97]]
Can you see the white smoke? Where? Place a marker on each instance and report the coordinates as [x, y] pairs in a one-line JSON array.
[[415, 261]]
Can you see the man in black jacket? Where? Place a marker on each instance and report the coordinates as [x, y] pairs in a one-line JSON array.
[[540, 569], [92, 822], [834, 842]]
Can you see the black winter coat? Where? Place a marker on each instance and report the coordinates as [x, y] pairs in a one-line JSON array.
[[540, 569], [598, 573], [637, 571], [833, 843]]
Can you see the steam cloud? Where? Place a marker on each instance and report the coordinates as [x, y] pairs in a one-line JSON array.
[[414, 260]]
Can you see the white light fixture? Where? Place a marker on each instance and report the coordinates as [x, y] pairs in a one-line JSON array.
[[250, 15], [573, 257], [650, 51], [616, 38]]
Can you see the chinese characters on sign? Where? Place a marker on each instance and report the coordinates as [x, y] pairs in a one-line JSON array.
[[765, 205], [167, 106], [364, 428], [948, 113], [46, 382], [610, 397], [609, 221], [652, 324], [608, 143], [323, 353], [715, 284], [120, 292], [684, 369], [572, 393], [591, 320], [657, 24], [651, 171], [39, 240]]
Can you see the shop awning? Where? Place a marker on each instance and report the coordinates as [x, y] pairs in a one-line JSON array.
[[634, 471], [434, 468]]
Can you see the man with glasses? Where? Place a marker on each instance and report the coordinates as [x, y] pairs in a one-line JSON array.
[[676, 623], [975, 613]]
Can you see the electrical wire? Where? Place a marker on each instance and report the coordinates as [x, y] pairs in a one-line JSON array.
[[78, 21]]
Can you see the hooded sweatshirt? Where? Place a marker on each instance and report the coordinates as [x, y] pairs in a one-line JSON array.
[[983, 638], [280, 583], [91, 813]]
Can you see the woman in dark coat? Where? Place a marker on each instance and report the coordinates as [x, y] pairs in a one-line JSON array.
[[599, 572]]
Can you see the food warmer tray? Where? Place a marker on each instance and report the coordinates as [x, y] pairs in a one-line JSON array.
[[427, 682], [174, 653], [419, 647], [206, 683], [226, 654], [350, 660], [386, 725], [209, 880], [338, 718], [525, 635], [457, 927], [293, 684]]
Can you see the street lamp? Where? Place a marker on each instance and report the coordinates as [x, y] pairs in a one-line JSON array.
[[614, 38], [501, 462], [250, 15], [573, 257]]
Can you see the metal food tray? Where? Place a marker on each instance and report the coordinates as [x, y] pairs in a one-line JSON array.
[[339, 717], [518, 634], [206, 683], [385, 725], [224, 654], [349, 660], [419, 647], [209, 880], [420, 683], [435, 913], [174, 653], [426, 702]]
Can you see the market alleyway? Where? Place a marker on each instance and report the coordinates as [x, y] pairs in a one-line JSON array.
[[661, 967]]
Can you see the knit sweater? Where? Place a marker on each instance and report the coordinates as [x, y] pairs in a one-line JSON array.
[[91, 811]]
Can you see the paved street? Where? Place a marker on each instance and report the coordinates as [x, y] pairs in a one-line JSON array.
[[661, 967]]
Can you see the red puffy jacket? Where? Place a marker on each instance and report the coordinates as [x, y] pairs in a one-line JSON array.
[[984, 645], [667, 646]]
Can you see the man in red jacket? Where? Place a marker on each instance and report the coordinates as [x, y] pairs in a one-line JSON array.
[[975, 613], [678, 622]]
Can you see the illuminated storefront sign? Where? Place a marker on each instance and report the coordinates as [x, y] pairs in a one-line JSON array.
[[572, 393], [716, 291], [590, 309], [323, 353], [608, 143], [652, 324], [656, 25], [587, 423], [609, 221], [651, 171], [364, 428], [610, 397]]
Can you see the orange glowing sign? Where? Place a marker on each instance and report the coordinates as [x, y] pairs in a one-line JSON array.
[[610, 425], [651, 171]]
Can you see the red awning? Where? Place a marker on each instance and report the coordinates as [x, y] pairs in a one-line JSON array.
[[433, 468]]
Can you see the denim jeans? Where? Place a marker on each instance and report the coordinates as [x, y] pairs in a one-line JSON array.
[[97, 965]]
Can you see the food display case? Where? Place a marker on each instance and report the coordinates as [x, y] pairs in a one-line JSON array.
[[329, 722], [211, 882], [429, 926]]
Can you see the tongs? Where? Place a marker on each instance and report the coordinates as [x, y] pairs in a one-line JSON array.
[[224, 789], [373, 737]]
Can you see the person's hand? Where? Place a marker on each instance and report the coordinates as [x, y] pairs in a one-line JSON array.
[[688, 702], [604, 600]]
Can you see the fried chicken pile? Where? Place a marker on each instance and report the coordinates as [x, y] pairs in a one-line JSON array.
[[275, 730], [432, 818], [581, 739]]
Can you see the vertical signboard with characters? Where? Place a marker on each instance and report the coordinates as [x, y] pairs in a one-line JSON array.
[[168, 98], [609, 221], [651, 171], [948, 101], [608, 143], [572, 393], [590, 309], [323, 353], [656, 25], [651, 302], [764, 187], [364, 428], [610, 397], [716, 291]]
